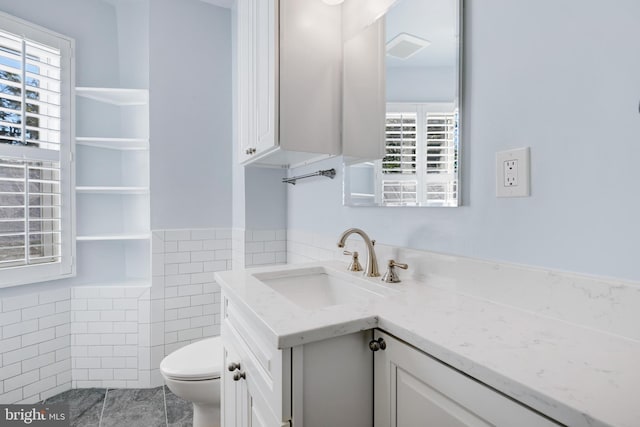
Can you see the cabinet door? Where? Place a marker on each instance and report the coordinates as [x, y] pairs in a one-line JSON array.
[[264, 74], [413, 389], [232, 397], [245, 111]]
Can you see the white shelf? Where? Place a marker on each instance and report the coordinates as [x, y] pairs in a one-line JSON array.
[[115, 96], [105, 237], [126, 144], [118, 283], [112, 190]]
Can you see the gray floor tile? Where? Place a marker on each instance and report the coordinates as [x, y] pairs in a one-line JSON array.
[[179, 411], [134, 408], [85, 405]]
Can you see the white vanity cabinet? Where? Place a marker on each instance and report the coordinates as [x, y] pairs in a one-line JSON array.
[[319, 384], [412, 389], [289, 57]]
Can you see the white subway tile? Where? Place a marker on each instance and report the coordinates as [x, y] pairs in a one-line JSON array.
[[193, 267], [254, 247], [189, 334], [189, 290], [171, 314], [79, 374], [176, 325], [189, 246], [202, 299], [211, 331], [187, 312], [264, 258], [21, 380], [46, 297], [64, 376], [224, 233], [177, 257], [19, 301], [22, 328], [78, 304], [63, 306], [223, 254], [158, 234], [55, 368], [281, 235], [211, 245], [11, 370], [263, 235], [99, 351], [54, 320], [125, 374], [85, 292], [170, 269], [206, 277], [170, 235], [198, 322], [170, 337], [79, 327], [11, 397], [63, 354], [88, 384], [87, 339], [38, 336], [38, 361], [63, 330], [86, 316], [86, 362], [113, 362], [275, 246], [44, 395], [124, 327], [100, 327], [112, 339], [205, 234], [113, 292], [125, 304], [199, 256], [132, 339], [132, 362], [177, 302], [125, 350], [10, 317], [177, 280], [144, 335], [113, 316], [100, 374], [170, 247], [55, 344], [131, 316]]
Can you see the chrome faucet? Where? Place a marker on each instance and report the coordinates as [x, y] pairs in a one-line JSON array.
[[371, 270]]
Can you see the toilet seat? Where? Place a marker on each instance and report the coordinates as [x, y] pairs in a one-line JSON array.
[[199, 361]]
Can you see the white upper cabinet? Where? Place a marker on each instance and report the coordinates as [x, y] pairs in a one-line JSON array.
[[289, 81]]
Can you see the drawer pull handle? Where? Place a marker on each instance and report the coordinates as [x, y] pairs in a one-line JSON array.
[[239, 375], [378, 344], [233, 366]]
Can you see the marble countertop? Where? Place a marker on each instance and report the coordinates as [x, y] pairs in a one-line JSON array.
[[575, 375]]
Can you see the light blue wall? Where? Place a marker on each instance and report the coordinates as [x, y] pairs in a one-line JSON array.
[[190, 96], [562, 78], [418, 84], [92, 23]]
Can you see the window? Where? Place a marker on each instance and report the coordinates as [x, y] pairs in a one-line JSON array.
[[36, 179], [421, 163]]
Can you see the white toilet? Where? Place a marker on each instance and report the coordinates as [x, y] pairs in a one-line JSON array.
[[193, 373]]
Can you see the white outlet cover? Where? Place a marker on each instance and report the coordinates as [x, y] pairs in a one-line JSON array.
[[522, 188]]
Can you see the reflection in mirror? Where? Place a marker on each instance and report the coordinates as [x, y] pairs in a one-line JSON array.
[[422, 129]]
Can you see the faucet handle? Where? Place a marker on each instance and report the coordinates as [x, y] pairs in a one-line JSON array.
[[355, 264], [391, 276]]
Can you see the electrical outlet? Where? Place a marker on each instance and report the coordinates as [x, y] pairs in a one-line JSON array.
[[512, 173]]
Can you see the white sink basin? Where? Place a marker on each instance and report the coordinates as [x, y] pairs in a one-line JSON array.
[[317, 287]]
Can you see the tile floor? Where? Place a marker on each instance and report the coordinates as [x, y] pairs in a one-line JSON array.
[[156, 407]]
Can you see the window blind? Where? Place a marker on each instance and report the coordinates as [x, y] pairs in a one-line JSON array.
[[400, 192], [401, 140], [441, 130], [35, 171]]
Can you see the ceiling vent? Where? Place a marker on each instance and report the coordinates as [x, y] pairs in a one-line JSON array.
[[405, 45]]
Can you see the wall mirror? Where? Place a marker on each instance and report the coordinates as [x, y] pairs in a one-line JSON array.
[[421, 130]]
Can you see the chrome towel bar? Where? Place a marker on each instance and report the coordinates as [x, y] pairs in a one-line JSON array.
[[329, 173]]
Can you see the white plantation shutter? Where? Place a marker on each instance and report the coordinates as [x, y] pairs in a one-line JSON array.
[[401, 140], [36, 194], [441, 186], [400, 192]]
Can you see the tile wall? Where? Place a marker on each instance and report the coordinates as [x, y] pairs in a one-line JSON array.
[[115, 336], [35, 351]]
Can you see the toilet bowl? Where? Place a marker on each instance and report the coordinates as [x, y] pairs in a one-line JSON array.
[[193, 373]]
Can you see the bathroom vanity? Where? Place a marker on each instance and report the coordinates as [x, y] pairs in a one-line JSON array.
[[402, 354]]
